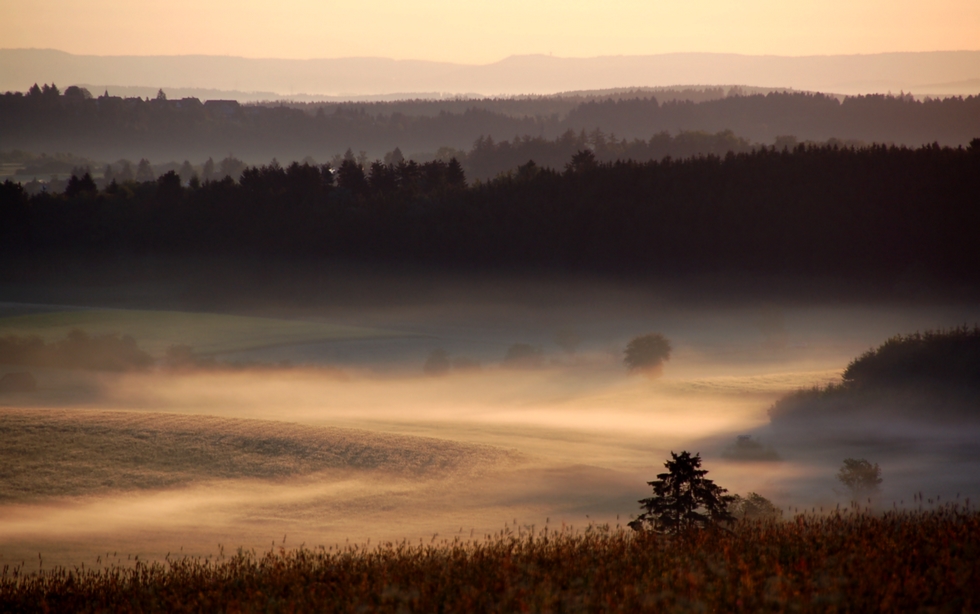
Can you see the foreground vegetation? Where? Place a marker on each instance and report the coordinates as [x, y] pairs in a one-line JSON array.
[[848, 561]]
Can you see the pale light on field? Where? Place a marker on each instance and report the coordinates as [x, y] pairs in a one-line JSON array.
[[156, 461]]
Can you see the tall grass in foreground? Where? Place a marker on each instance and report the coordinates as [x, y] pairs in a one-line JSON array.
[[850, 561]]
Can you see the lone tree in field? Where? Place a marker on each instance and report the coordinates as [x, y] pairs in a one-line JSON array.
[[860, 477], [684, 499], [647, 354]]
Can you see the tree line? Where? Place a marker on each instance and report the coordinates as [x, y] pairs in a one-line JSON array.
[[485, 160], [108, 127], [874, 213]]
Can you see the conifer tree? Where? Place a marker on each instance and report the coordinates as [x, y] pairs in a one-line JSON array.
[[683, 499]]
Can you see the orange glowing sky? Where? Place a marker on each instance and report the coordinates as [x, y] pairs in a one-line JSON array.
[[484, 32]]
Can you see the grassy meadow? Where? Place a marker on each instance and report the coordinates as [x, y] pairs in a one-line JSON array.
[[847, 561]]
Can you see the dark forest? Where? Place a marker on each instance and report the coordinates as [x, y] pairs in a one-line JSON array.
[[870, 213]]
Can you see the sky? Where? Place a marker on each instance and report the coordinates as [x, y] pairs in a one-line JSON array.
[[480, 31]]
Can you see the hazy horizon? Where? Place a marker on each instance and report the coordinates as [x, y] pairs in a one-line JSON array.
[[472, 34], [934, 73]]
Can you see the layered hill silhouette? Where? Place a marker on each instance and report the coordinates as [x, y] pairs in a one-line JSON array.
[[109, 128]]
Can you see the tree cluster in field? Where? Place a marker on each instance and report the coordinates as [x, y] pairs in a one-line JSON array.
[[873, 213], [109, 352], [108, 127], [925, 375], [79, 350]]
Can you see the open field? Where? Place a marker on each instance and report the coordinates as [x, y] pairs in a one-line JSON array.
[[90, 453], [358, 444]]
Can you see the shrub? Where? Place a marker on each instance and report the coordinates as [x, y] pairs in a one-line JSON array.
[[647, 352], [860, 477], [754, 507]]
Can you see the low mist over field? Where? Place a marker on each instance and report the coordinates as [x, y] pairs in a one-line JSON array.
[[384, 411], [489, 307]]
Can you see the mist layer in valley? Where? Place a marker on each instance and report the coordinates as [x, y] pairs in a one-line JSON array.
[[386, 406]]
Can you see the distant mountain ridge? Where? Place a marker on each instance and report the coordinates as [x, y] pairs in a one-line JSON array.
[[937, 73]]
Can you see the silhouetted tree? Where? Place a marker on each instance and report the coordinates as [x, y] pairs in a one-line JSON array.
[[231, 167], [582, 161], [683, 499], [50, 91], [81, 186], [125, 172], [77, 93], [647, 352], [168, 186], [144, 172], [207, 172], [860, 477], [350, 175], [527, 171], [186, 172], [394, 157], [455, 177], [409, 176], [382, 178]]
